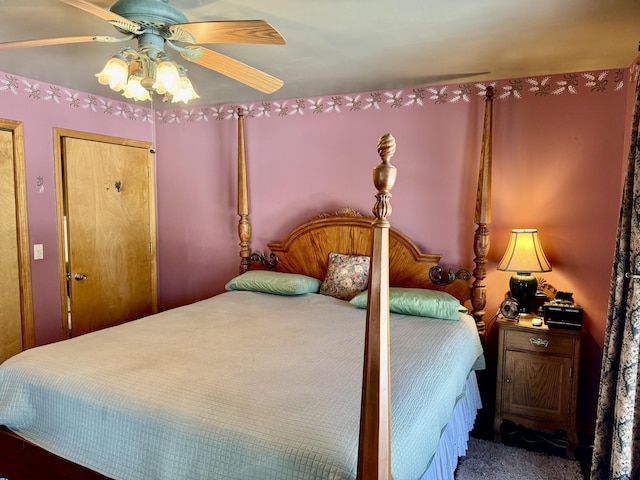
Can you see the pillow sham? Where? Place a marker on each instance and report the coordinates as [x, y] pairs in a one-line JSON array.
[[277, 283], [418, 302], [347, 275]]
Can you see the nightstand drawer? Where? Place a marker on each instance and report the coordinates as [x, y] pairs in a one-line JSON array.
[[533, 341]]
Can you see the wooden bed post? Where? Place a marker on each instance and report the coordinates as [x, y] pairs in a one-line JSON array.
[[482, 219], [374, 449], [244, 227]]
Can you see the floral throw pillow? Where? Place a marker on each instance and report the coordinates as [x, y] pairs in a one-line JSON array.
[[347, 275]]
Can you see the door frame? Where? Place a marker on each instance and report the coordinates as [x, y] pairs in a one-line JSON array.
[[22, 229], [58, 134]]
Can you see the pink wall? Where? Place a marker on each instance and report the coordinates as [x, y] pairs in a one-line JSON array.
[[560, 139], [197, 220]]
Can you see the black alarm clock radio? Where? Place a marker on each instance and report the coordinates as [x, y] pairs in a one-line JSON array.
[[562, 312]]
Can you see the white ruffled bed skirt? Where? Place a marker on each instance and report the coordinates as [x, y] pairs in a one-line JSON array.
[[454, 440]]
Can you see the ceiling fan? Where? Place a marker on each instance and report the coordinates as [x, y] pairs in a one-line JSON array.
[[154, 24]]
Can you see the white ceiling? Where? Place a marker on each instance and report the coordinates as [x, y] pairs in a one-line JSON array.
[[349, 46]]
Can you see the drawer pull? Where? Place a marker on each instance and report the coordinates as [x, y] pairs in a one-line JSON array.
[[539, 342]]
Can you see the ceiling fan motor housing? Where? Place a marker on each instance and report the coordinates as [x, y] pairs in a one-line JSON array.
[[151, 42], [155, 15]]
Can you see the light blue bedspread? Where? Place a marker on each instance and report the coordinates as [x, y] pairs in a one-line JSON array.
[[240, 386]]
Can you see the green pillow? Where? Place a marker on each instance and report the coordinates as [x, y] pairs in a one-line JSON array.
[[419, 302], [278, 283]]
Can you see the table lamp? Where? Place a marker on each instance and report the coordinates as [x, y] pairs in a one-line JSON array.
[[524, 256]]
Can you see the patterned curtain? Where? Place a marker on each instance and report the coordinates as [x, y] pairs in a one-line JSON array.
[[616, 453]]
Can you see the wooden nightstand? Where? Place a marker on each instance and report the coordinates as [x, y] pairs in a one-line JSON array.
[[537, 377]]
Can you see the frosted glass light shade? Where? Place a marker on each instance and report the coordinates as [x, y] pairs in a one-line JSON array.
[[167, 78], [135, 90], [185, 91], [114, 74]]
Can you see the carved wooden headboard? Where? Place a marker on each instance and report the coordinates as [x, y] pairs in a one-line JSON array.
[[306, 250]]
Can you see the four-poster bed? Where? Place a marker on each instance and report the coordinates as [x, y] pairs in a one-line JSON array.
[[274, 386]]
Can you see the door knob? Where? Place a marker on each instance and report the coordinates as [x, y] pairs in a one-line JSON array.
[[80, 277]]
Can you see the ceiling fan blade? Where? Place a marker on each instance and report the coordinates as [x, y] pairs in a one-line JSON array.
[[113, 18], [242, 31], [237, 70], [44, 42]]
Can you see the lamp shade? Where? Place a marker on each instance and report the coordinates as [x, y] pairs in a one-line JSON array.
[[524, 253]]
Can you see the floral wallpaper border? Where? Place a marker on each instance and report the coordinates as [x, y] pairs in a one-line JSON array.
[[567, 84]]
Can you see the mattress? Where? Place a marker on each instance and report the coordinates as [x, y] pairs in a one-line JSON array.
[[243, 385]]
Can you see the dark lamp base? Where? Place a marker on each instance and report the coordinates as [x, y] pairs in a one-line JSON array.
[[523, 287]]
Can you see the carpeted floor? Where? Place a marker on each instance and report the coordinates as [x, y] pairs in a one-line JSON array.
[[495, 461]]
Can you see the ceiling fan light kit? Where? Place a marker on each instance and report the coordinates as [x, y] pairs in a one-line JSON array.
[[140, 73], [137, 74]]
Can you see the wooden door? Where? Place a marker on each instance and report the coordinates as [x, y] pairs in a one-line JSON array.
[[110, 232], [16, 310]]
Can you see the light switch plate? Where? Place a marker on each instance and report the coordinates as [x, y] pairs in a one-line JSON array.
[[38, 251]]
